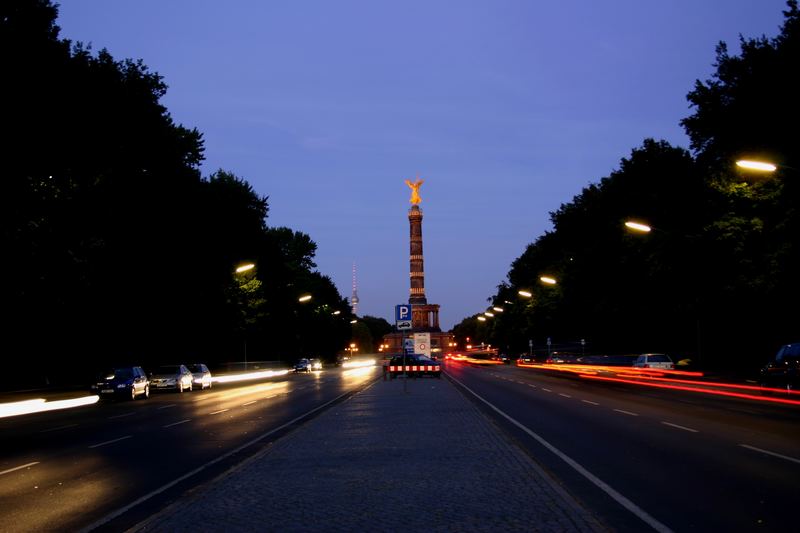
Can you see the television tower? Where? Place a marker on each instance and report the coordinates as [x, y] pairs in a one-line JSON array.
[[354, 297]]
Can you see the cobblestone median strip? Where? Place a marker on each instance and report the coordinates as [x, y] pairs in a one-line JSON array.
[[384, 460]]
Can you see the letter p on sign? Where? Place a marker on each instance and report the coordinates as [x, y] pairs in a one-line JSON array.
[[402, 312]]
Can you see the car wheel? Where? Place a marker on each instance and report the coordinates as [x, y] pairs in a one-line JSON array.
[[133, 392]]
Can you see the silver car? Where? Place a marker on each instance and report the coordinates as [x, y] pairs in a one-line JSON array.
[[201, 375], [654, 360], [174, 377]]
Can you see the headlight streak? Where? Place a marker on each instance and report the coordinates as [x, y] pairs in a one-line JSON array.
[[249, 376], [358, 364], [220, 395], [358, 372], [40, 405]]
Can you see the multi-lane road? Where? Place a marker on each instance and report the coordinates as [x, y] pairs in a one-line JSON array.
[[639, 457], [74, 469]]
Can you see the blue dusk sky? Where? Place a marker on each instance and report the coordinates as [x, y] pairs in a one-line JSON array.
[[506, 109]]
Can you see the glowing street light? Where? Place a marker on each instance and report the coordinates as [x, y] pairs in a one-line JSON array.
[[337, 312], [547, 280], [482, 318], [525, 294], [353, 321], [245, 267], [304, 298], [638, 226], [498, 309], [761, 166]]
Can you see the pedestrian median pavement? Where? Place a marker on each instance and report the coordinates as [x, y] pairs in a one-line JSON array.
[[415, 456]]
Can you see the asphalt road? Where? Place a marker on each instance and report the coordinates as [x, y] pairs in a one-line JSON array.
[[67, 470], [651, 459]]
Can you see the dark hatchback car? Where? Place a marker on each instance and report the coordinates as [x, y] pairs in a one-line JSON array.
[[303, 365], [783, 372], [125, 382]]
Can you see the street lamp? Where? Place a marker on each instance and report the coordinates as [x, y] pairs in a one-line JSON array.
[[761, 166], [490, 315], [245, 267], [638, 226], [547, 280], [482, 318], [525, 294], [304, 298], [498, 309]]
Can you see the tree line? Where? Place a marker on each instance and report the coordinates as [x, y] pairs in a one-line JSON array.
[[115, 247], [716, 279]]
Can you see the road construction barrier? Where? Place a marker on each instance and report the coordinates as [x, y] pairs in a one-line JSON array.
[[390, 371]]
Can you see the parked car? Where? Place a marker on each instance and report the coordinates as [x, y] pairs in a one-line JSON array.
[[122, 382], [782, 372], [316, 364], [175, 377], [303, 365], [201, 375], [654, 360]]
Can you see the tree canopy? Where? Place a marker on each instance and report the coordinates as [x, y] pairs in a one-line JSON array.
[[116, 247], [713, 277]]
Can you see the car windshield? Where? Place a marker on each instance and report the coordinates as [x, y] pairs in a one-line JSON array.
[[168, 369], [658, 358], [118, 373], [197, 368]]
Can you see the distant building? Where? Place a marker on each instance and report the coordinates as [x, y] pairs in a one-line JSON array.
[[424, 316], [354, 296]]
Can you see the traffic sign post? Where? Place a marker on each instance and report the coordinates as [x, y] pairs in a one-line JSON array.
[[402, 320]]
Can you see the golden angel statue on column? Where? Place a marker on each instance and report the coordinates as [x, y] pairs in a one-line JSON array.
[[415, 197]]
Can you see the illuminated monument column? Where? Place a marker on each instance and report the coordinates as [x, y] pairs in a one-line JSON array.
[[425, 317]]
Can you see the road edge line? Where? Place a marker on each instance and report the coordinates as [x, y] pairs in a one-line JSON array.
[[599, 483]]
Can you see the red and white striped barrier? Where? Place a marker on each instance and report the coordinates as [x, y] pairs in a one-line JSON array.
[[399, 369]]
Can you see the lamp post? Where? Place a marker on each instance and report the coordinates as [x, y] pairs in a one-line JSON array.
[[240, 270], [644, 228]]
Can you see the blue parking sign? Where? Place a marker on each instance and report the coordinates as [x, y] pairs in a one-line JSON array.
[[402, 312]]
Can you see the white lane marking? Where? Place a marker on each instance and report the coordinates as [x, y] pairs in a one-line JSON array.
[[792, 459], [590, 402], [168, 406], [548, 390], [625, 412], [531, 385], [110, 441], [177, 423], [59, 427], [121, 416], [670, 424], [18, 468], [218, 412], [599, 483], [564, 395], [249, 403], [122, 510]]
